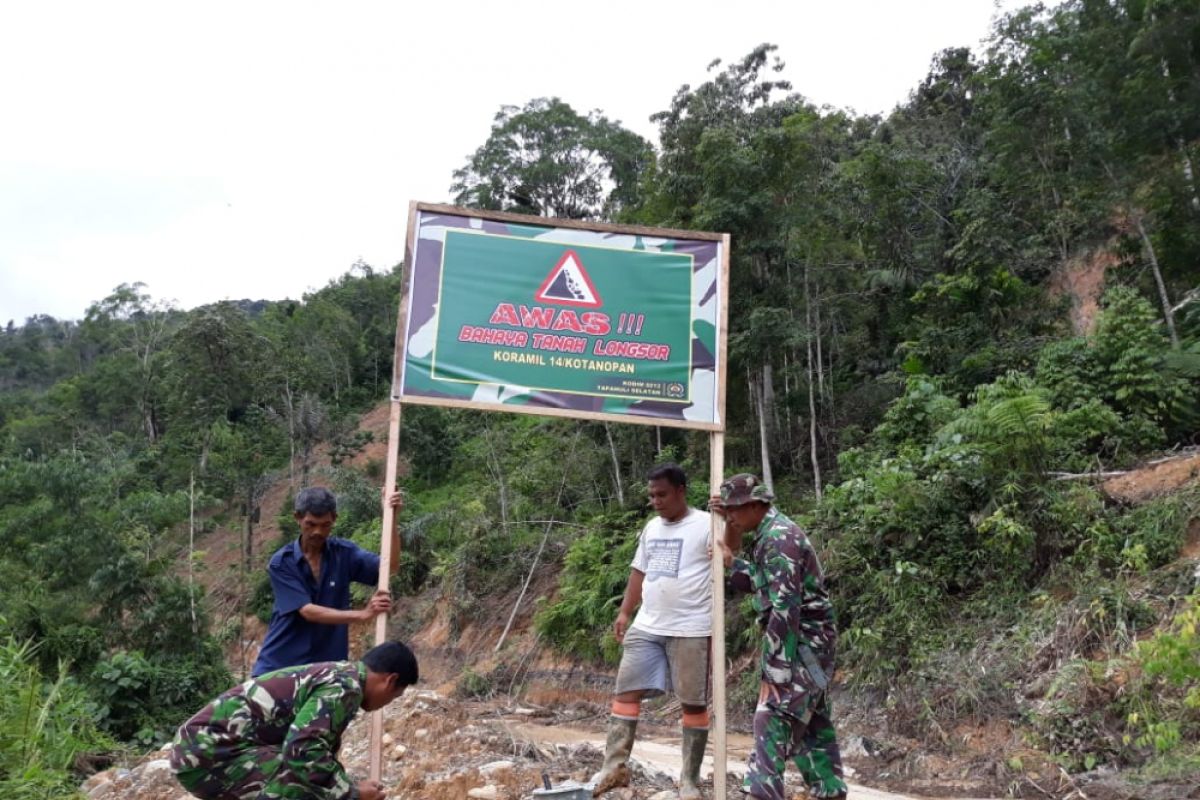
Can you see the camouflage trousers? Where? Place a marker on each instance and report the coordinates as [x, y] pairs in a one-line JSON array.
[[797, 728], [251, 774], [241, 776]]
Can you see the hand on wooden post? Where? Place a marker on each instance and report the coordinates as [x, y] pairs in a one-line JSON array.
[[768, 690], [395, 499], [380, 603], [726, 554], [371, 790]]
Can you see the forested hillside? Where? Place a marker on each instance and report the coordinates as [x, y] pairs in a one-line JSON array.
[[946, 326]]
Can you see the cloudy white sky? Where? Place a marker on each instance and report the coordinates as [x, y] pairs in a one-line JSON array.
[[257, 149]]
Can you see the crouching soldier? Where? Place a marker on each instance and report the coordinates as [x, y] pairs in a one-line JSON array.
[[792, 720], [276, 737]]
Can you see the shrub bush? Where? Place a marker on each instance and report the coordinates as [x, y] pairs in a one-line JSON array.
[[45, 725]]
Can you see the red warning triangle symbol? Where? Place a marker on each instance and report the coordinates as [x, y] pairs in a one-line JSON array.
[[568, 284]]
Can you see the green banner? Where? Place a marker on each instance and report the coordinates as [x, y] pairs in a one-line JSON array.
[[574, 318]]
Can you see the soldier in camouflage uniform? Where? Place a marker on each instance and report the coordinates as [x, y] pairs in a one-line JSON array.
[[792, 720], [276, 737]]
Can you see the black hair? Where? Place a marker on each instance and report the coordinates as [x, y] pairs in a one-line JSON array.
[[393, 658], [672, 473], [315, 500]]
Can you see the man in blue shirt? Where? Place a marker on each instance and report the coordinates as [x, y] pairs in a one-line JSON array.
[[310, 578]]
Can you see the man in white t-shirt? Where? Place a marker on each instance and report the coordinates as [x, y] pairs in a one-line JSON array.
[[666, 647]]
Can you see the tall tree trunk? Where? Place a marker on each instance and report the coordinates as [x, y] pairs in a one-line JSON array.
[[248, 544], [768, 398], [1189, 174], [763, 433], [616, 462], [205, 442], [289, 403], [829, 370], [788, 423], [812, 400], [1168, 312], [752, 390], [146, 406], [192, 550], [820, 355], [497, 470], [658, 441]]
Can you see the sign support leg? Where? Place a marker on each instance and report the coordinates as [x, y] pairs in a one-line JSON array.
[[385, 559], [716, 469]]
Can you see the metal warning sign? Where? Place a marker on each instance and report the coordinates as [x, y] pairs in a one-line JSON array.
[[516, 313]]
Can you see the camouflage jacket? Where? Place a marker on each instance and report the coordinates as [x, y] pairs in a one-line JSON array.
[[302, 711], [793, 606]]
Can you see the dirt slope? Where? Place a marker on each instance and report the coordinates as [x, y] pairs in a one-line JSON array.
[[1155, 478], [220, 569]]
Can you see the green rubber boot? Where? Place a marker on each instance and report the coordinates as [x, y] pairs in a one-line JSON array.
[[694, 740], [614, 771]]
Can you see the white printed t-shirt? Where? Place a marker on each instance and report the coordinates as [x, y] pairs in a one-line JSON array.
[[677, 590]]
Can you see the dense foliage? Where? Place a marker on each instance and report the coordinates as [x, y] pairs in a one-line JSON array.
[[120, 428], [915, 364]]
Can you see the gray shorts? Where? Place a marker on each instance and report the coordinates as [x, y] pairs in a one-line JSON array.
[[657, 664]]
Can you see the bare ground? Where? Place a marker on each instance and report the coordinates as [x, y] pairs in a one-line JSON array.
[[436, 748]]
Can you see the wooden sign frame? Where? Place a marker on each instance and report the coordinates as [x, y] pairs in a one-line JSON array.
[[715, 429], [565, 409]]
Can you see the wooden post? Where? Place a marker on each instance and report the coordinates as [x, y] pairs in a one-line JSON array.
[[389, 481], [716, 473], [385, 559], [716, 469]]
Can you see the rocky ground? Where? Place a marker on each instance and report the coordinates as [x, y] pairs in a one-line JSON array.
[[437, 748]]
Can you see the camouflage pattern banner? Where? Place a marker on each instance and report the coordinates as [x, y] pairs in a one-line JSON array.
[[537, 317]]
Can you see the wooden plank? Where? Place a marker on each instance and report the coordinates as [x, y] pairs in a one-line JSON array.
[[716, 470], [583, 225], [401, 342], [389, 481], [385, 560], [544, 411]]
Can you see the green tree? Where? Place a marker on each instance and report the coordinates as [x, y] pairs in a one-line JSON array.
[[547, 159]]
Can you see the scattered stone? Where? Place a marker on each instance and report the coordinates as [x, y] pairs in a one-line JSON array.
[[399, 751], [152, 769], [665, 795], [854, 747], [387, 739], [96, 781], [495, 766], [489, 792], [862, 747], [421, 733]]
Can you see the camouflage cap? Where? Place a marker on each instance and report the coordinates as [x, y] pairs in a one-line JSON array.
[[744, 488]]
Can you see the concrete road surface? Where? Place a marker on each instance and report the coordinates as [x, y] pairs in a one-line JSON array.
[[663, 754]]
